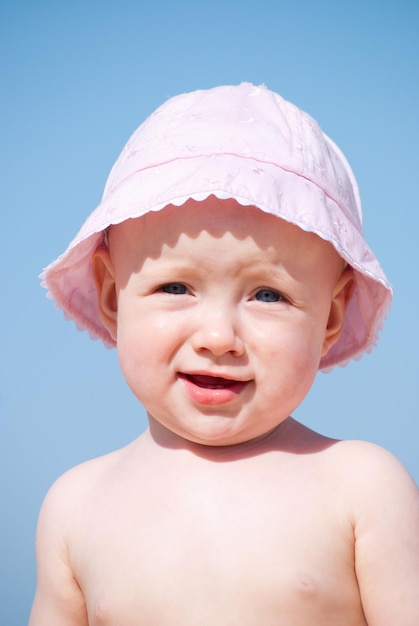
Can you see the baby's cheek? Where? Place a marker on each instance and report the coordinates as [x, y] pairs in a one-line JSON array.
[[297, 356], [141, 357], [132, 353]]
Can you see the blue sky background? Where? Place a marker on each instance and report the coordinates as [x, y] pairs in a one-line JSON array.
[[77, 78]]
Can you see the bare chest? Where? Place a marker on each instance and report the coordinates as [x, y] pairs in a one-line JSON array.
[[238, 553]]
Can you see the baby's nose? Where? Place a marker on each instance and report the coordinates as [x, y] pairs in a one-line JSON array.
[[217, 331]]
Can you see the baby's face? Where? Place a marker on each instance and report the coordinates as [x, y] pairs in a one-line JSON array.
[[221, 315]]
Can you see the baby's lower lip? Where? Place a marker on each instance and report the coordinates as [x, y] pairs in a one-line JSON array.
[[212, 390]]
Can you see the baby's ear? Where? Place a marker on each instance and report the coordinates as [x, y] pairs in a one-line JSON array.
[[340, 299], [104, 275]]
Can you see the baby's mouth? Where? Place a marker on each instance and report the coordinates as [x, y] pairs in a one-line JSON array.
[[207, 390], [210, 382]]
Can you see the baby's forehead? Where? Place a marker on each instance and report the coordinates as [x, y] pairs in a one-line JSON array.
[[225, 222], [213, 216]]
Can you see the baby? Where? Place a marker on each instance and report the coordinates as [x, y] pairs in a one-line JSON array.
[[227, 263]]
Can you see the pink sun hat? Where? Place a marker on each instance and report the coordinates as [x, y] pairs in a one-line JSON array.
[[242, 142]]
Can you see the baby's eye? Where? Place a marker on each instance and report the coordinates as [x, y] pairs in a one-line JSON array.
[[269, 295], [174, 288]]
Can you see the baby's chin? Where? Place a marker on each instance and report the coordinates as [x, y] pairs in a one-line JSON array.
[[212, 443]]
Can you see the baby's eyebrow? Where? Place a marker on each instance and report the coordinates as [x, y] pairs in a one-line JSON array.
[[176, 265], [172, 270]]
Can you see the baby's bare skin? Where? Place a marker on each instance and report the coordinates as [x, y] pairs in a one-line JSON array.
[[227, 512], [261, 533]]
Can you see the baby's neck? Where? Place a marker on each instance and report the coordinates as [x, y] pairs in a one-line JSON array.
[[289, 436]]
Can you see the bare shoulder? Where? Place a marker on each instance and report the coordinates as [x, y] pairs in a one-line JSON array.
[[373, 481], [70, 488], [364, 469], [86, 472], [368, 465]]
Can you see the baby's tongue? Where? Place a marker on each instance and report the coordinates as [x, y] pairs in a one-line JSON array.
[[211, 382]]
